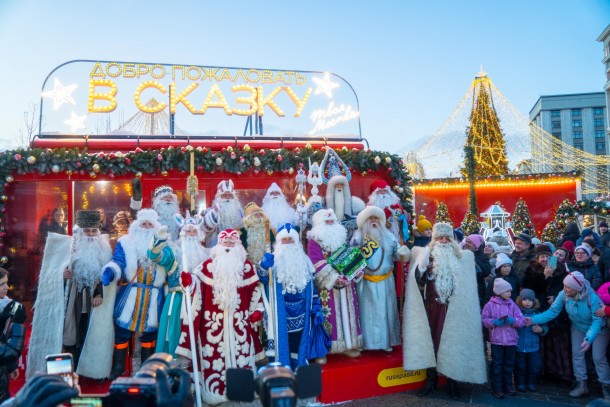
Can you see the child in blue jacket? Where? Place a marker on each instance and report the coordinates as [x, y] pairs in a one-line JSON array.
[[528, 360]]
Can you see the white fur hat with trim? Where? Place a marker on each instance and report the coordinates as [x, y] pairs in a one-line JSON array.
[[149, 215], [442, 229], [368, 212], [322, 216], [287, 230]]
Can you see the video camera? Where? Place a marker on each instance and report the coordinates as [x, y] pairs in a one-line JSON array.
[[275, 385], [136, 391]]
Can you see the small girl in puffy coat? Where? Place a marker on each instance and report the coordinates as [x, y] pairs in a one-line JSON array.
[[502, 317]]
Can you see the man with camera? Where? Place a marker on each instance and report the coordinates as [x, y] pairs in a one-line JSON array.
[[292, 305], [226, 306]]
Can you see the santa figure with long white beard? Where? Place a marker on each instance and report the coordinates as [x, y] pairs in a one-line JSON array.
[[277, 208], [256, 235], [227, 305], [442, 327], [337, 293], [165, 203], [383, 197], [337, 176], [225, 213], [293, 313], [190, 252], [140, 279], [70, 291], [377, 290]]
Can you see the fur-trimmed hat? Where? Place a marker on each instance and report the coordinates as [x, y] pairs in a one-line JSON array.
[[423, 224], [88, 219], [147, 215], [367, 213], [378, 184], [225, 186], [442, 229], [229, 234], [250, 208], [162, 191], [274, 188], [287, 230], [501, 286], [322, 216], [122, 219]]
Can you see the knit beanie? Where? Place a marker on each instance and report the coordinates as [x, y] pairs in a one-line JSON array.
[[574, 280], [501, 286], [423, 224], [543, 249], [502, 259], [527, 294], [569, 246], [585, 248], [476, 240]]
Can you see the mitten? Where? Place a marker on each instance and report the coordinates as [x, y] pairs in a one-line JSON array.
[[107, 276], [498, 322], [510, 320], [186, 279], [268, 261], [162, 233], [256, 316], [136, 189]]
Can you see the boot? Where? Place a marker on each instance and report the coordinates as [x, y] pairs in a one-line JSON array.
[[146, 351], [606, 391], [580, 389], [118, 362], [430, 383], [452, 388]]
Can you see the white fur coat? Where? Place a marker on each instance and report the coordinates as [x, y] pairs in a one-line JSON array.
[[461, 353]]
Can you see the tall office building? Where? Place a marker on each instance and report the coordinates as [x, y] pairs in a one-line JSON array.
[[605, 39], [578, 120]]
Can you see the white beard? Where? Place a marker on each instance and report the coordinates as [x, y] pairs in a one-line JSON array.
[[329, 237], [227, 269], [142, 239], [258, 234], [442, 270], [230, 213], [292, 267], [87, 261], [166, 211], [380, 234], [278, 211], [194, 252], [383, 200], [339, 204]]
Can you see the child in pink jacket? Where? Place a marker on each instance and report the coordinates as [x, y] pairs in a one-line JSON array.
[[502, 317]]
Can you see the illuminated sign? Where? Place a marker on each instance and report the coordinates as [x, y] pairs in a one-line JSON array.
[[99, 98]]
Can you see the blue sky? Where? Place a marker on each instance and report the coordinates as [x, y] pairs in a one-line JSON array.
[[410, 62]]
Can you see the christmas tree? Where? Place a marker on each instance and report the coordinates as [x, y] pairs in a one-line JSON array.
[[470, 224], [484, 134], [522, 219], [564, 214], [442, 213]]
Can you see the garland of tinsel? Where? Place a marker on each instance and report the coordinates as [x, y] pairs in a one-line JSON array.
[[231, 160], [568, 211]]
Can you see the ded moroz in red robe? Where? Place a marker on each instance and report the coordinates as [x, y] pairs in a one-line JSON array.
[[223, 341]]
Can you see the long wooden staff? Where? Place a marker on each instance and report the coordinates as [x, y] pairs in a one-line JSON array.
[[189, 316]]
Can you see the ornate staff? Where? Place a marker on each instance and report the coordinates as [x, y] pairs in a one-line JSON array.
[[301, 201], [192, 184], [189, 316]]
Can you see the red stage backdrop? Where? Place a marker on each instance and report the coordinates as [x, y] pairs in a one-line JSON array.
[[543, 193]]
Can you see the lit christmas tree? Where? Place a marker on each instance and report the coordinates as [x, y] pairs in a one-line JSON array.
[[484, 134], [470, 224], [442, 213], [564, 214], [522, 219]]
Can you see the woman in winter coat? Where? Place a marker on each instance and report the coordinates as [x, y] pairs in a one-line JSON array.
[[534, 277], [584, 263], [588, 330]]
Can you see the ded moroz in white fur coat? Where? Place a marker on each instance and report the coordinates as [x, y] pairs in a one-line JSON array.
[[461, 354]]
